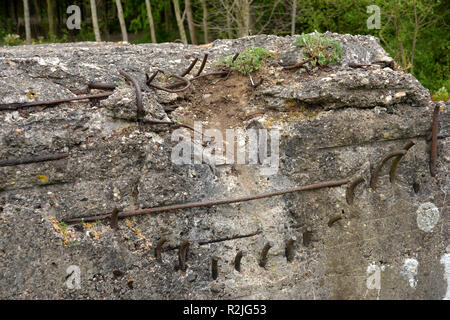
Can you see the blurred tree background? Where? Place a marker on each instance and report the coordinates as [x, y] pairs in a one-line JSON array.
[[414, 32]]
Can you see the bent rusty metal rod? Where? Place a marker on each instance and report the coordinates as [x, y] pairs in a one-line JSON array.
[[202, 66], [376, 171], [218, 73], [211, 202], [44, 158], [434, 141], [16, 106], [101, 86], [186, 81], [351, 189], [140, 108], [297, 65], [189, 69], [394, 165]]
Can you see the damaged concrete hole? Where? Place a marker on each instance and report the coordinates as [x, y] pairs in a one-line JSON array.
[[92, 140]]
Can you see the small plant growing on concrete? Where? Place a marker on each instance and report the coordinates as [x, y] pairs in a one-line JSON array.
[[441, 95], [248, 61], [319, 49]]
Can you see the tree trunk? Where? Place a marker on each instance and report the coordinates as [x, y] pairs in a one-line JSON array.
[[179, 21], [37, 9], [123, 27], [12, 12], [26, 13], [51, 17], [190, 21], [293, 16], [167, 12], [205, 21], [95, 21], [150, 21], [243, 20]]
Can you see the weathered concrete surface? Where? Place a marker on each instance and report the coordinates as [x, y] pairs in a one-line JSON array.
[[343, 123]]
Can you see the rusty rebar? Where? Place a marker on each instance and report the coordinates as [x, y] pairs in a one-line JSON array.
[[351, 189], [168, 89], [307, 236], [334, 219], [394, 165], [140, 108], [158, 248], [34, 159], [214, 267], [114, 224], [202, 66], [297, 65], [238, 258], [434, 141], [212, 202], [150, 78], [265, 250], [101, 86], [289, 251], [376, 171], [19, 105], [189, 69], [218, 73], [183, 254]]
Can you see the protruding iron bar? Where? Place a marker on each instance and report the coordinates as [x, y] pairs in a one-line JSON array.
[[182, 255], [17, 106], [289, 251], [151, 78], [434, 141], [376, 171], [177, 84], [158, 248], [44, 158], [212, 202], [265, 250], [349, 194], [202, 66], [334, 219], [214, 267], [189, 69], [307, 236], [140, 108], [203, 242], [114, 224], [238, 258], [297, 65], [394, 165], [167, 89], [101, 86]]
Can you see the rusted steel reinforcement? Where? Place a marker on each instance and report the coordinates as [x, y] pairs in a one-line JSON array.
[[218, 73], [394, 165], [434, 141], [202, 66], [297, 65], [189, 69], [16, 106], [351, 189], [101, 86], [210, 203], [376, 171], [26, 160], [183, 254], [203, 242], [214, 267], [334, 219], [140, 108], [168, 89], [158, 248], [264, 252], [289, 251], [238, 258], [114, 223]]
